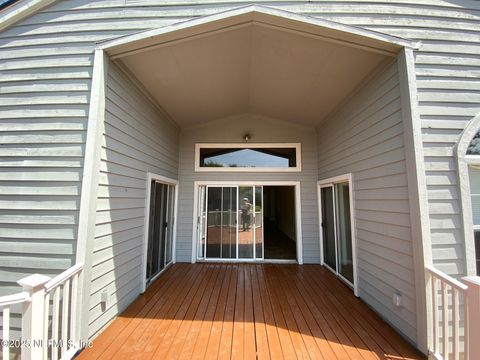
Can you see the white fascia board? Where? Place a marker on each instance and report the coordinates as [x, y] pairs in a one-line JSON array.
[[21, 10], [333, 25], [325, 29]]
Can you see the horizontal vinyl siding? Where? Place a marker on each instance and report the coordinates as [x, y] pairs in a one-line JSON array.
[[46, 67], [448, 81], [365, 138], [45, 75], [137, 140], [262, 130]]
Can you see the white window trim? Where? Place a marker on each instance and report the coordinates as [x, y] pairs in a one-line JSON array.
[[167, 181], [296, 146], [298, 209], [331, 182], [463, 163]]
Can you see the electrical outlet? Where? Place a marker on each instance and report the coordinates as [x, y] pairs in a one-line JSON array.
[[104, 296], [397, 299]]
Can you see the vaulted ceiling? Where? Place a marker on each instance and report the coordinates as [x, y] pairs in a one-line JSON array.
[[254, 66]]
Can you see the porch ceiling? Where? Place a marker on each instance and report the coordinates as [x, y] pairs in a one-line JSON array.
[[267, 66]]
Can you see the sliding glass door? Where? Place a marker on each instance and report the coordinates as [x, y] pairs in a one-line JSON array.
[[336, 229], [221, 220], [160, 231], [230, 222], [328, 227], [344, 231]]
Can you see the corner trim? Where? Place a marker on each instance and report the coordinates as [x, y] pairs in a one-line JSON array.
[[417, 192], [90, 179]]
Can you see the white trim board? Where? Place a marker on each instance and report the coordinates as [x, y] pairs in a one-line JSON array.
[[168, 181], [21, 10], [261, 15], [417, 194], [331, 182], [296, 146], [90, 181], [298, 209]]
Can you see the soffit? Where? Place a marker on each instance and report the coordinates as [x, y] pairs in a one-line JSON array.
[[253, 61]]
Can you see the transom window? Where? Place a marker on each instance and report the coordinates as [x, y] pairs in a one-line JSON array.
[[247, 157]]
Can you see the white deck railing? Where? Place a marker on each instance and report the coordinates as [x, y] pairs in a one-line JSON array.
[[50, 316], [454, 315], [6, 303]]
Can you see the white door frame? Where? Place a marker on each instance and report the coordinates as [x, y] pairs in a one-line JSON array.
[[166, 181], [298, 211], [331, 182]]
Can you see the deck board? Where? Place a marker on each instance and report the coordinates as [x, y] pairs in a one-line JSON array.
[[197, 337], [248, 311]]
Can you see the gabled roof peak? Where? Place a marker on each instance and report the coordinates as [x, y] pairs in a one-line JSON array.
[[309, 25]]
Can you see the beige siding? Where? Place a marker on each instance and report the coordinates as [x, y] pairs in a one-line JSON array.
[[137, 140], [365, 138]]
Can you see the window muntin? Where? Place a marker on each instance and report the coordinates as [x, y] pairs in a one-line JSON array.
[[247, 157]]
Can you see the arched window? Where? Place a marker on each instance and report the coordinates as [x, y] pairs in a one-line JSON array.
[[474, 146], [468, 157]]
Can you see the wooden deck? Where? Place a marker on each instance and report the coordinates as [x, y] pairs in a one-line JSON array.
[[244, 311]]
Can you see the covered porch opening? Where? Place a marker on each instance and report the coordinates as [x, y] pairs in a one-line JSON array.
[[279, 74], [209, 311], [281, 79]]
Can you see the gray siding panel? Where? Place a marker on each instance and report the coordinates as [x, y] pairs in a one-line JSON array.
[[137, 140], [365, 138]]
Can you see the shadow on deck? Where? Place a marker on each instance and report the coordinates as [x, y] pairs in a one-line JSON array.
[[208, 311]]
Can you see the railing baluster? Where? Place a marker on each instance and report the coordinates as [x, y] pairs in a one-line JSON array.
[[445, 303], [455, 325], [436, 340], [45, 326], [65, 305], [55, 322], [445, 319], [73, 333], [63, 289], [466, 325], [472, 313], [6, 332], [36, 326]]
